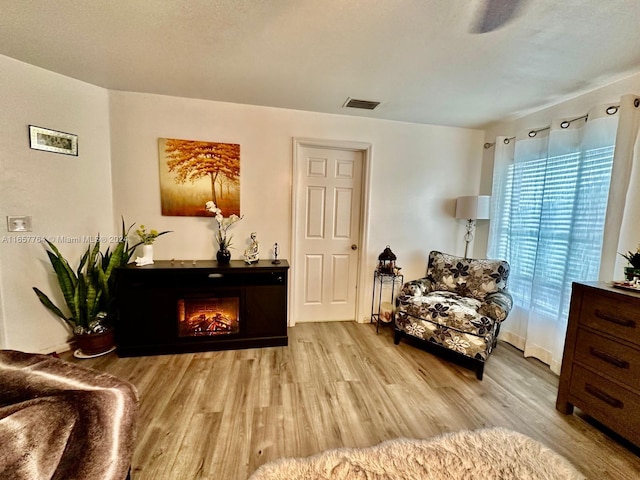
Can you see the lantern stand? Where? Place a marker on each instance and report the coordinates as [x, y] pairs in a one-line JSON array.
[[386, 272]]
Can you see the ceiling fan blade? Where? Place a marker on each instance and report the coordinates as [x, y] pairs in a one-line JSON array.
[[495, 14]]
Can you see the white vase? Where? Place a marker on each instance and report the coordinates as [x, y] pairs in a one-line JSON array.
[[147, 256], [147, 252]]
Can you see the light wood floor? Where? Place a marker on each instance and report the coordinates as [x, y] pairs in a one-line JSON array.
[[220, 415]]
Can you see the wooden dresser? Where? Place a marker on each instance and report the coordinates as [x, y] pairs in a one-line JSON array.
[[601, 363]]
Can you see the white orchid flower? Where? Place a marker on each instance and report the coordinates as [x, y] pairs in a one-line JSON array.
[[223, 223]]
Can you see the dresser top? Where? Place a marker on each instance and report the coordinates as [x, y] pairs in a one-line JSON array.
[[608, 287]]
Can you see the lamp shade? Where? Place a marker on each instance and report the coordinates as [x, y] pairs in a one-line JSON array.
[[475, 207]]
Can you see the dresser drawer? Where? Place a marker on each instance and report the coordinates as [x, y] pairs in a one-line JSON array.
[[607, 402], [616, 316], [609, 358]]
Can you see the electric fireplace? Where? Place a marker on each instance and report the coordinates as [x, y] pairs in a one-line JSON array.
[[175, 306], [201, 317]]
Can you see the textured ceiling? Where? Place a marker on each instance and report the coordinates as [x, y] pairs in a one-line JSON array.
[[417, 57]]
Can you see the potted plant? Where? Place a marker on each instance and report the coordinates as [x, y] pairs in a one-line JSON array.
[[633, 271], [88, 293], [147, 239], [224, 243]]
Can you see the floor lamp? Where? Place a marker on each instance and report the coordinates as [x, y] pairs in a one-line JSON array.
[[471, 209]]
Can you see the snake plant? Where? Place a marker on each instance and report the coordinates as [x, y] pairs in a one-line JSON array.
[[633, 258], [89, 290]]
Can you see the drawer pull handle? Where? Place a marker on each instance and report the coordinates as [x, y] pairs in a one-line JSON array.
[[605, 397], [607, 357], [215, 275], [618, 321]]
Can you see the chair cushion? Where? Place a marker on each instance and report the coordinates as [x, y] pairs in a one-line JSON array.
[[450, 310], [474, 346], [467, 277]]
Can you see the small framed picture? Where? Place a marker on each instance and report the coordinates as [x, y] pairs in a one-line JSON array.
[[53, 141]]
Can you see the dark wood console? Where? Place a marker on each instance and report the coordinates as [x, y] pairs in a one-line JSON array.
[[175, 307]]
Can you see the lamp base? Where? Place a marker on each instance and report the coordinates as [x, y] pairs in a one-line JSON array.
[[471, 224]]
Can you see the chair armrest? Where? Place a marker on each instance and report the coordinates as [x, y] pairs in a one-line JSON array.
[[416, 288], [497, 305]]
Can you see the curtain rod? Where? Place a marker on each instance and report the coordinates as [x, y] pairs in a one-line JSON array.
[[505, 141], [612, 110]]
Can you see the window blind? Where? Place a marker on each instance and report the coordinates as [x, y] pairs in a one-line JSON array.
[[552, 226]]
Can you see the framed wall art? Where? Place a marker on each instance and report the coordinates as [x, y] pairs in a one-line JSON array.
[[194, 172], [53, 141]]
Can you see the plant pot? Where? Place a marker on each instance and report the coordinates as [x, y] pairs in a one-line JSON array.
[[93, 344], [223, 256], [631, 273]]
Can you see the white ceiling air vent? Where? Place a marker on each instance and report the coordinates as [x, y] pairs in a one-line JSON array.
[[362, 104]]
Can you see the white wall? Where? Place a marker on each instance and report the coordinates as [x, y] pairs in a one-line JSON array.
[[65, 195], [417, 172]]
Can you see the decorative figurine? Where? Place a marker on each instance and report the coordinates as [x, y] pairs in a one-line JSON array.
[[275, 254], [252, 253]]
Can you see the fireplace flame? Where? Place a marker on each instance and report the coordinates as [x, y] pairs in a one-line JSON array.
[[208, 317]]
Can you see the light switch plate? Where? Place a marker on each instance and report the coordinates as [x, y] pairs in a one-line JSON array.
[[18, 223]]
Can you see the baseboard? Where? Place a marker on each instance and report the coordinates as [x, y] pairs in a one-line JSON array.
[[64, 347]]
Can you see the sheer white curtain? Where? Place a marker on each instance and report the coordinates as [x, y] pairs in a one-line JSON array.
[[550, 202], [622, 223]]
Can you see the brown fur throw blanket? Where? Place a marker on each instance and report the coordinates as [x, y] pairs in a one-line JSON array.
[[62, 421]]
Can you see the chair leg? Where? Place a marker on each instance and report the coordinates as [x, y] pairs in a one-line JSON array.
[[397, 336], [495, 339]]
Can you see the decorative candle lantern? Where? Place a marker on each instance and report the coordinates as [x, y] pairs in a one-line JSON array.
[[387, 261]]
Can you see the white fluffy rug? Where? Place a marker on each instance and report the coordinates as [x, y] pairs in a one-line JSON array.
[[493, 453]]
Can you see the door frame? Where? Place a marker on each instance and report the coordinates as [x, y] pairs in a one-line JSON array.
[[367, 151]]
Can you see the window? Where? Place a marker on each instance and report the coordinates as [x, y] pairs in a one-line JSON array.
[[551, 226]]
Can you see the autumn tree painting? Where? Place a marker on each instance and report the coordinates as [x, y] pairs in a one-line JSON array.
[[194, 172]]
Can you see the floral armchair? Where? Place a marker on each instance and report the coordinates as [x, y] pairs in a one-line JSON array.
[[457, 307]]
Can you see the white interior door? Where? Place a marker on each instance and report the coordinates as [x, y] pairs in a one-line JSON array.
[[328, 215]]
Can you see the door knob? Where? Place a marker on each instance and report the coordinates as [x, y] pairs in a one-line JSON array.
[[354, 247]]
